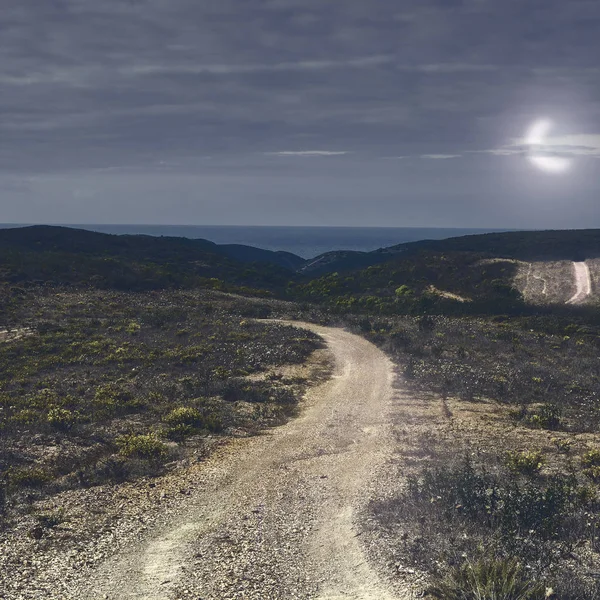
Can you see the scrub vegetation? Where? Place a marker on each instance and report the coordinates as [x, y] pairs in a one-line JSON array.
[[510, 476], [108, 386]]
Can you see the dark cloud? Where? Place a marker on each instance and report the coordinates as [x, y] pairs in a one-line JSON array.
[[224, 102]]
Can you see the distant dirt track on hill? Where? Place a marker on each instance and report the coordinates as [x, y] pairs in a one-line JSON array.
[[556, 282], [583, 283], [276, 517]]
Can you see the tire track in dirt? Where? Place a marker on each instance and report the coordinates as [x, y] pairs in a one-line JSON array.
[[583, 283], [277, 516]]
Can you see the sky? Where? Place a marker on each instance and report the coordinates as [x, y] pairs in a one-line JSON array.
[[445, 113]]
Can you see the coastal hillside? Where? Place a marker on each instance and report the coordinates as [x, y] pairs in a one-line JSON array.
[[61, 255], [555, 245], [496, 272], [489, 273], [420, 282]]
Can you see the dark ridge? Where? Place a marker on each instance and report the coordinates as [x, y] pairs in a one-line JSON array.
[[564, 244], [51, 254], [44, 238], [575, 244]]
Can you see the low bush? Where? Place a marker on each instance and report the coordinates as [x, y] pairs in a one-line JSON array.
[[185, 421], [548, 416], [518, 511], [488, 579], [146, 446], [590, 462], [34, 477], [562, 445], [591, 458], [184, 415], [528, 462], [62, 418]]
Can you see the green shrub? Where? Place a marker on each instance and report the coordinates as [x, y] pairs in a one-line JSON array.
[[563, 446], [62, 418], [178, 432], [548, 417], [27, 416], [112, 398], [183, 422], [184, 415], [528, 462], [186, 420], [34, 477], [213, 422], [591, 458], [488, 579], [132, 328], [403, 290], [590, 462], [146, 446], [44, 399]]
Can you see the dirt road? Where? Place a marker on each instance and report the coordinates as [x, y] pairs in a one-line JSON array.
[[276, 517], [583, 283]]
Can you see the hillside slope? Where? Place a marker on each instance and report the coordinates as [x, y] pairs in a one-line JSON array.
[[61, 255], [571, 245], [419, 282]]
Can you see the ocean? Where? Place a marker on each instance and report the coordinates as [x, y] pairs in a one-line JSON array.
[[306, 242]]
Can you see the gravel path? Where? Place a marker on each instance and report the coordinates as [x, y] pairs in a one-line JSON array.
[[277, 516], [583, 283]]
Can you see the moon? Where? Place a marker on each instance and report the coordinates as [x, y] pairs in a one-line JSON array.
[[536, 139]]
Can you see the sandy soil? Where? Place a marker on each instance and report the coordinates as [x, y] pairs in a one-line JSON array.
[[546, 282], [278, 516], [583, 283]]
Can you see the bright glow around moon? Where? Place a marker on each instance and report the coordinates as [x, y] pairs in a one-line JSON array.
[[551, 164], [536, 139]]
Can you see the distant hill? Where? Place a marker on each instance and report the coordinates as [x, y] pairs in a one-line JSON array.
[[49, 254], [456, 275], [66, 239], [419, 281], [576, 244], [251, 254], [563, 244]]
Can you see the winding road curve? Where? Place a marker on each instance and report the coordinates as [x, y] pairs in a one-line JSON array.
[[583, 283], [276, 517]]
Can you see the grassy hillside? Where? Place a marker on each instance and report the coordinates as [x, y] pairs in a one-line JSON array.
[[498, 451], [454, 276]]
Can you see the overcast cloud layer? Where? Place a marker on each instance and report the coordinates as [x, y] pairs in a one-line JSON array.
[[325, 112]]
